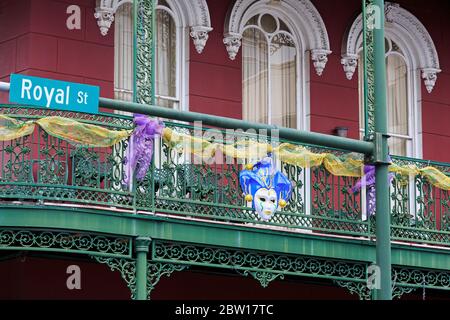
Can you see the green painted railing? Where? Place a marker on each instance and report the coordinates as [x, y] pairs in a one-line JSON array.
[[420, 211], [40, 168]]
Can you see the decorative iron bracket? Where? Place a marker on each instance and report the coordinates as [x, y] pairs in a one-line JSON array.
[[380, 153], [126, 267], [156, 270]]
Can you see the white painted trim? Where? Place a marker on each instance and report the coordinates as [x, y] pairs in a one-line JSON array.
[[182, 56], [408, 32], [193, 14], [414, 144], [308, 32], [420, 55], [300, 16]]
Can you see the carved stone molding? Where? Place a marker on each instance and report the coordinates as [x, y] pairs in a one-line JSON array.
[[105, 11], [232, 43], [302, 18], [199, 35], [194, 14], [320, 59], [104, 19], [389, 9], [429, 75], [408, 32], [350, 63]]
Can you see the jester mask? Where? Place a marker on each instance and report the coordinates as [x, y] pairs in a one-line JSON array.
[[266, 188]]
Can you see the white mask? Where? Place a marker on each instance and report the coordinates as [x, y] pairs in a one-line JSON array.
[[265, 202]]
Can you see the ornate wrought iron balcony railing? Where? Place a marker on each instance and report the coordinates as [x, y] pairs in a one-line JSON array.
[[42, 169]]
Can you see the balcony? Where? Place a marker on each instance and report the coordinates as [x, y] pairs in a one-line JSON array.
[[42, 171]]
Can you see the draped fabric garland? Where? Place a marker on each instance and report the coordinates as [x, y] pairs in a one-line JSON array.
[[63, 128], [96, 136], [297, 155]]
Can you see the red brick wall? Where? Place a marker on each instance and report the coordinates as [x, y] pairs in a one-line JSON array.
[[334, 99], [34, 40], [214, 79], [32, 277], [436, 106], [40, 278]]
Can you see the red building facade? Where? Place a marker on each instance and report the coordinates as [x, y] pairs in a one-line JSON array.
[[34, 43], [34, 40]]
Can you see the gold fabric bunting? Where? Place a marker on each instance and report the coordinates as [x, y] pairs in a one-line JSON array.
[[296, 155], [63, 128], [96, 136]]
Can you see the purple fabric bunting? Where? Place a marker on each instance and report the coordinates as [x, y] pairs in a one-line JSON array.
[[140, 149], [368, 180]]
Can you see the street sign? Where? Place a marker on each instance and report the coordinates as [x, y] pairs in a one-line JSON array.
[[54, 94]]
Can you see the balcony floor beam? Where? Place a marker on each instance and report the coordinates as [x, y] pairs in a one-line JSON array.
[[233, 236]]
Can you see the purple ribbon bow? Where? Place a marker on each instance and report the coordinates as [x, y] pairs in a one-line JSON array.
[[140, 149], [368, 180]]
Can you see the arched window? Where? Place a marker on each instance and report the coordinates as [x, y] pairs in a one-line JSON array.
[[176, 20], [278, 39], [269, 72], [123, 53], [166, 58], [166, 55], [410, 56], [398, 104]]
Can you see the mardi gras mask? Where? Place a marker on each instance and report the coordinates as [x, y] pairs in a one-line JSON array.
[[265, 188]]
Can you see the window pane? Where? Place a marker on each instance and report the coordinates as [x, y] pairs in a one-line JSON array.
[[283, 67], [254, 76], [123, 54], [397, 101], [398, 146], [397, 93], [268, 23], [165, 82]]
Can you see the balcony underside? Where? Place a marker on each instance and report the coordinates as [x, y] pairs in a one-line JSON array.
[[185, 230]]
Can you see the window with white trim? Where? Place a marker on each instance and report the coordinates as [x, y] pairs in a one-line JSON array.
[[279, 42], [412, 58], [123, 53], [269, 72], [399, 106], [166, 60], [167, 56]]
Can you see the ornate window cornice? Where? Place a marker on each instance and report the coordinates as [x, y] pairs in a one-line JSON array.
[[301, 16], [193, 14], [406, 30], [104, 13]]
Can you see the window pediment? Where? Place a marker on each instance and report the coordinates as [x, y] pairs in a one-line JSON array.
[[193, 14], [404, 26], [300, 16]]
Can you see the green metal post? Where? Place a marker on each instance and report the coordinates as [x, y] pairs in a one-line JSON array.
[[365, 63], [144, 51], [383, 217], [142, 248]]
